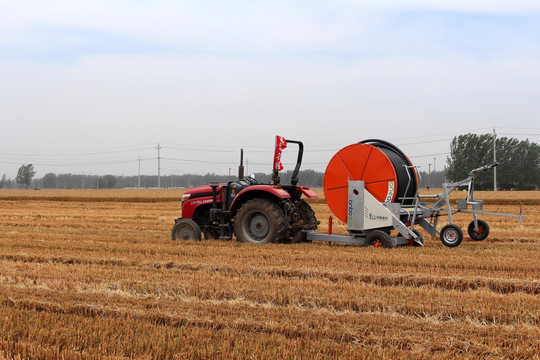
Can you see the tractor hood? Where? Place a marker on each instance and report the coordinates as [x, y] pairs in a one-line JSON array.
[[200, 191]]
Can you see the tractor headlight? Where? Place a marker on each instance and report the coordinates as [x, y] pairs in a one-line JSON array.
[[184, 198]]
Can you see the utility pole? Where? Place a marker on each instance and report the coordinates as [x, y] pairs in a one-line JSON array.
[[82, 180], [494, 160], [139, 178], [434, 160], [158, 167], [429, 177]]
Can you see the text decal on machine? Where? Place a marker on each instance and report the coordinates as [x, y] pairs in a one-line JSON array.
[[370, 216], [390, 193], [350, 212]]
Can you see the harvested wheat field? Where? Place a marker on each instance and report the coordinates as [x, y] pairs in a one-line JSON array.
[[94, 274]]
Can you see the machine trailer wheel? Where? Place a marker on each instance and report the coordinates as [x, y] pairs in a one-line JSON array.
[[379, 238], [451, 235], [309, 222], [482, 233], [186, 229], [260, 221]]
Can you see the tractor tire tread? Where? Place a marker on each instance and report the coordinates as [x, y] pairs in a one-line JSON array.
[[272, 211]]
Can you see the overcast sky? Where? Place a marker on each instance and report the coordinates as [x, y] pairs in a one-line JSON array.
[[91, 86]]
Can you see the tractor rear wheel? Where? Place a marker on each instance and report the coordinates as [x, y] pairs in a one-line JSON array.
[[307, 219], [186, 229], [260, 221]]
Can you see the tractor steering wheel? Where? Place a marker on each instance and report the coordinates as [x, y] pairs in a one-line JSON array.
[[251, 180]]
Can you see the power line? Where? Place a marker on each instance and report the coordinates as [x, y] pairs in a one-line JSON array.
[[423, 142], [198, 149], [234, 149], [86, 163], [520, 128], [441, 134], [426, 155], [221, 149], [210, 146], [200, 161], [104, 156], [526, 134], [77, 153]]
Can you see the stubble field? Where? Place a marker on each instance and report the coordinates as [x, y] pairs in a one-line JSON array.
[[94, 274]]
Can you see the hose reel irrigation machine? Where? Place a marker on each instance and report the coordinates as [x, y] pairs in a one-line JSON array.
[[373, 187]]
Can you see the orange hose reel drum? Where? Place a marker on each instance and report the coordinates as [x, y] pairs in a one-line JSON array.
[[407, 175], [359, 162]]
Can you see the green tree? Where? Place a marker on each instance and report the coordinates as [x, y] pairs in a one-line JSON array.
[[524, 172], [107, 182], [25, 175], [468, 152], [519, 161], [50, 181]]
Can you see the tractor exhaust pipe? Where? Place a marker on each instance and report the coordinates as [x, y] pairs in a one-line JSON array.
[[241, 167]]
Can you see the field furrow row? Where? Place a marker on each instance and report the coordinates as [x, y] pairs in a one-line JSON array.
[[502, 286], [294, 323]]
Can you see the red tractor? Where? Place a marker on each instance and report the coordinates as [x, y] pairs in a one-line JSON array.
[[254, 212]]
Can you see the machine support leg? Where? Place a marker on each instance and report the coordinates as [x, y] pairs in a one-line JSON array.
[[415, 212], [431, 229], [447, 200], [330, 228], [475, 219]]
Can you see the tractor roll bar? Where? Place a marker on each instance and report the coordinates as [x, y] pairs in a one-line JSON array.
[[294, 178]]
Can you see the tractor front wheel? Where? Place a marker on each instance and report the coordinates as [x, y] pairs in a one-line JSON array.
[[260, 221], [186, 229]]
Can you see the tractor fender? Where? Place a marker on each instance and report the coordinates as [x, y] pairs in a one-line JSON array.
[[257, 191], [310, 194]]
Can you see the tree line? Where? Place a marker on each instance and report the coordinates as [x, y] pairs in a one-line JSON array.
[[519, 167], [519, 170], [307, 177]]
